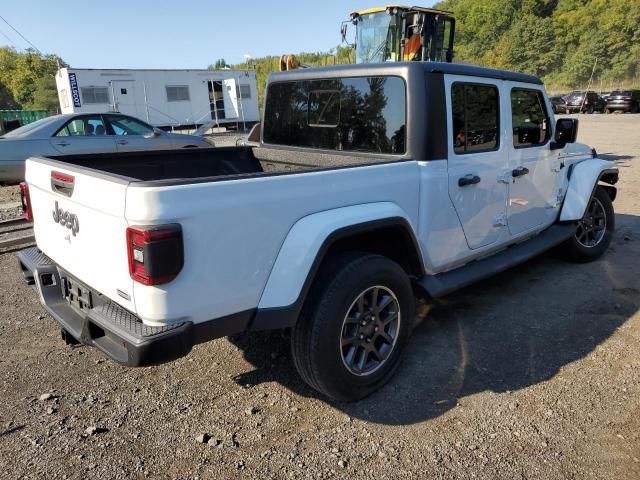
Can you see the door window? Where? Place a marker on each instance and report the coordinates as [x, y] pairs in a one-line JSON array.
[[529, 118], [83, 127], [129, 126], [476, 116]]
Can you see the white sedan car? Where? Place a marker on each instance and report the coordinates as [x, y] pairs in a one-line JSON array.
[[74, 134]]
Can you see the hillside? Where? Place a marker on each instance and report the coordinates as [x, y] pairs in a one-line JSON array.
[[558, 40]]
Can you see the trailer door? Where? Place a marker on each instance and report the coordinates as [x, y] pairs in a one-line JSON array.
[[230, 93], [125, 99]]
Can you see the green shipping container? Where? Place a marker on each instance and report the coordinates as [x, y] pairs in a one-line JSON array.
[[9, 119]]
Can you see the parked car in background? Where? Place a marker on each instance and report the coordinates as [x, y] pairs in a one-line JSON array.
[[577, 103], [624, 101], [73, 134], [558, 104]]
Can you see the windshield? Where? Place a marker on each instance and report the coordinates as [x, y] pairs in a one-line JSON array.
[[377, 38], [18, 132]]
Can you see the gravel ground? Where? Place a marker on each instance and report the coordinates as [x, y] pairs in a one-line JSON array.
[[10, 202], [533, 374]]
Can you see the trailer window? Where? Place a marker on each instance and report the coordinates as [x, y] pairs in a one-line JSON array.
[[243, 91], [95, 95], [177, 93], [363, 114], [64, 98]]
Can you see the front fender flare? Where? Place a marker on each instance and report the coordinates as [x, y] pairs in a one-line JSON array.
[[582, 183], [301, 252]]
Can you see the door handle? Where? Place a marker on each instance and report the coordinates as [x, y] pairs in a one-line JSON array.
[[520, 171], [468, 180], [122, 142], [63, 144]]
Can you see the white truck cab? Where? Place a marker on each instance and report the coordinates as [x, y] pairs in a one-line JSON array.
[[369, 183]]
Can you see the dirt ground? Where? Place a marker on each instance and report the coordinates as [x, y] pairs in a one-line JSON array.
[[534, 374]]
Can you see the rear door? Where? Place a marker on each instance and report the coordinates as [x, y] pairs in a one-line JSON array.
[[477, 157], [83, 134], [90, 244], [534, 169], [132, 135]]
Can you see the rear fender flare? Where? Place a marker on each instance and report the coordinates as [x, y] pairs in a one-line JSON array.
[[302, 252], [583, 181]]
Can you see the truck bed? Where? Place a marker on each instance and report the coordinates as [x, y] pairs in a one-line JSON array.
[[205, 164], [189, 163]]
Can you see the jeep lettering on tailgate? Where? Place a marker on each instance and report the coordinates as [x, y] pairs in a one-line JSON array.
[[66, 219]]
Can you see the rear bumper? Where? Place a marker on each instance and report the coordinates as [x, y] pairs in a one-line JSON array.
[[114, 330]]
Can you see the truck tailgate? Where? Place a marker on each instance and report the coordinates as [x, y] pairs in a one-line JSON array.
[[79, 223]]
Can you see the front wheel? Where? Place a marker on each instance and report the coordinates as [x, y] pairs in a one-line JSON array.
[[348, 340], [595, 230]]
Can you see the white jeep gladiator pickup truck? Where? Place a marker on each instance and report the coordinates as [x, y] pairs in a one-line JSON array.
[[370, 184]]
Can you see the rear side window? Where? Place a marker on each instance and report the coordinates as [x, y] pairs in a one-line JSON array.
[[529, 118], [475, 117], [364, 114]]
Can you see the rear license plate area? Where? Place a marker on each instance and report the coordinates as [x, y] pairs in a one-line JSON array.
[[77, 294]]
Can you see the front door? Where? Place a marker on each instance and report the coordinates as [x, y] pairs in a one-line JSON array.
[[477, 157], [534, 168], [132, 135]]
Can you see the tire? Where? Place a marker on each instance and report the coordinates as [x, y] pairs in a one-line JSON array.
[[590, 109], [329, 341], [634, 109], [594, 232]]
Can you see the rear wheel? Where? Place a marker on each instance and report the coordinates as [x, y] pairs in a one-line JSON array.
[[348, 340], [595, 230]]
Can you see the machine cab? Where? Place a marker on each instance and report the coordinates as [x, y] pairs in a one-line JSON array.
[[397, 33]]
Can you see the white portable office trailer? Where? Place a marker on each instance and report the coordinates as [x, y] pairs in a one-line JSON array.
[[164, 98]]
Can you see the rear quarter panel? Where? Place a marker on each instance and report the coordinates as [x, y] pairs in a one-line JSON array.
[[233, 230]]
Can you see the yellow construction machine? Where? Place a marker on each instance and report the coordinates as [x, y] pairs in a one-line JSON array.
[[395, 33]]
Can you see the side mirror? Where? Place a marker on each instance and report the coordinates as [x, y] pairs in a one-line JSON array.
[[566, 132], [343, 32], [157, 132]]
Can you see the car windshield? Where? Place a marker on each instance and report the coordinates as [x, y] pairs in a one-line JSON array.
[[377, 38], [19, 132]]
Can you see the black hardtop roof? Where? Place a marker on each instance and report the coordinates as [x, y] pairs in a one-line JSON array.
[[402, 69]]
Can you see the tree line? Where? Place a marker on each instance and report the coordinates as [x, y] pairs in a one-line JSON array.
[[27, 80], [559, 40]]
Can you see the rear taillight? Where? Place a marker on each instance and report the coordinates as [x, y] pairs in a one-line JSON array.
[[156, 253], [25, 198]]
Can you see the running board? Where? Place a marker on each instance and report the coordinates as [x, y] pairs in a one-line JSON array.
[[444, 283]]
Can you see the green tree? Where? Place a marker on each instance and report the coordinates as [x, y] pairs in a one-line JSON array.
[[29, 77], [45, 96], [6, 100], [219, 65]]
